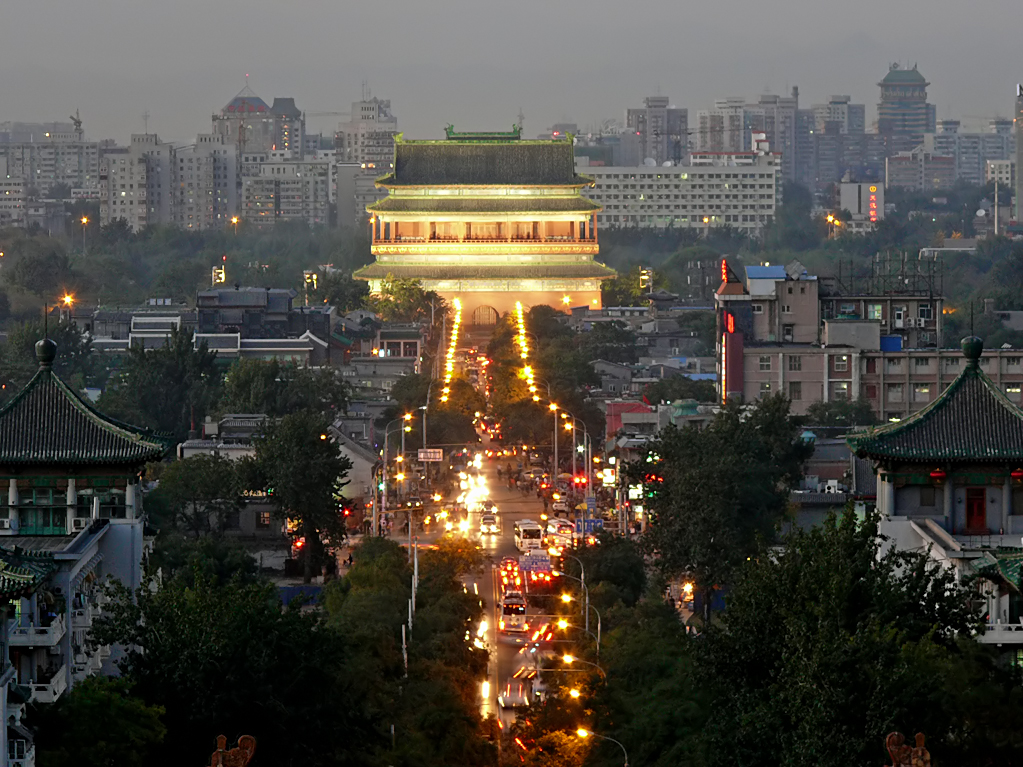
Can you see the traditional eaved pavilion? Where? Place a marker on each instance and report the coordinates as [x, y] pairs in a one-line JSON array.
[[490, 219], [950, 483]]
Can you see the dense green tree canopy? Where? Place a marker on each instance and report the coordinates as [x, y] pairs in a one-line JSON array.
[[277, 388]]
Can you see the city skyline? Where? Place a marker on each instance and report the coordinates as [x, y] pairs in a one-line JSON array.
[[190, 59]]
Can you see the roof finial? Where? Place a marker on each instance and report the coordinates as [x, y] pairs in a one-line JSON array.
[[973, 348], [46, 352]]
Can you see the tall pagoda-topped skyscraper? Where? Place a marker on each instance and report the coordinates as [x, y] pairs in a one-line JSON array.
[[490, 219]]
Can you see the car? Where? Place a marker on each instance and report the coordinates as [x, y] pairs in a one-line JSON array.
[[560, 507], [489, 525], [414, 502], [514, 695]]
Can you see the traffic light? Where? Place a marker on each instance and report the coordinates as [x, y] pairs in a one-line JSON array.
[[380, 486]]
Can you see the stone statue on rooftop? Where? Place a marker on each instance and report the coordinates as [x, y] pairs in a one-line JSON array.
[[239, 756]]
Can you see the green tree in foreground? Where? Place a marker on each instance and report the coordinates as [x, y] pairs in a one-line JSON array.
[[838, 639], [716, 493], [680, 387], [306, 470], [76, 731], [227, 658], [199, 493], [277, 388]]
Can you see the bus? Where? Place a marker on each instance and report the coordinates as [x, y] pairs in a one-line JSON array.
[[528, 535], [513, 613]]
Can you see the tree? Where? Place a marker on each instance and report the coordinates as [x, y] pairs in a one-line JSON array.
[[76, 730], [227, 658], [342, 292], [715, 493], [843, 413], [837, 639], [306, 470], [218, 559], [200, 492], [612, 342], [170, 389], [405, 300], [277, 388], [679, 387], [44, 270]]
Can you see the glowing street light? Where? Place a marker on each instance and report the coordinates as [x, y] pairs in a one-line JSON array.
[[584, 733], [68, 299], [574, 693]]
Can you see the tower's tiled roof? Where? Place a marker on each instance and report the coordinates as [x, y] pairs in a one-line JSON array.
[[473, 163], [48, 423], [21, 573], [971, 421], [903, 76]]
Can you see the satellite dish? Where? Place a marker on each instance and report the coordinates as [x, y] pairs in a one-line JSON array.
[[650, 161], [981, 213], [666, 164]]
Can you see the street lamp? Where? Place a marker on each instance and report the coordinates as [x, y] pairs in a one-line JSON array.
[[582, 733], [570, 659], [567, 598], [383, 497], [234, 223], [85, 222]]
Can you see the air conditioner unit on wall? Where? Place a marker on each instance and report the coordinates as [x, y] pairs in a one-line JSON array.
[[5, 524], [79, 523]]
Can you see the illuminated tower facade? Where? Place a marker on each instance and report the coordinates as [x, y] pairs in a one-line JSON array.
[[490, 219]]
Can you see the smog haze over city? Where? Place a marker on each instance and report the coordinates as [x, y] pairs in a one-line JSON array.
[[475, 64]]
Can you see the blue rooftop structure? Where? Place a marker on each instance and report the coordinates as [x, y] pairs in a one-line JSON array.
[[766, 273]]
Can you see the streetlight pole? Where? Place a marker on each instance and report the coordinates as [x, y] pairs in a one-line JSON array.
[[383, 494], [586, 593], [582, 580], [583, 733]]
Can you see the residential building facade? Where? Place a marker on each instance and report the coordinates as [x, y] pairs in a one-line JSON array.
[[662, 131]]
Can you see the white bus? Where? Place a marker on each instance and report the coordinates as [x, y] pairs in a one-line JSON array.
[[528, 535], [513, 613]]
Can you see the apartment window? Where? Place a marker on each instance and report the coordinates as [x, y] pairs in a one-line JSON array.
[[840, 390], [788, 332], [870, 391], [795, 390], [795, 363], [951, 362], [263, 519], [894, 364], [757, 308], [924, 311], [895, 392], [1012, 362], [921, 392], [786, 309], [1013, 392], [765, 389], [927, 496], [874, 311], [841, 363], [765, 364], [232, 520]]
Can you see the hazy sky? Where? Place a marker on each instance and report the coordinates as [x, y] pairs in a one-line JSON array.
[[475, 64]]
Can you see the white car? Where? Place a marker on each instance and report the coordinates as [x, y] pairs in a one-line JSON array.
[[560, 507], [489, 525]]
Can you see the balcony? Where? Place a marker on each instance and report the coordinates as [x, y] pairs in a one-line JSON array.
[[38, 636], [51, 687], [81, 618], [20, 756], [1002, 633]]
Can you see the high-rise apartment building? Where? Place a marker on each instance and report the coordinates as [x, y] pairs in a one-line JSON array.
[[129, 175], [851, 118], [972, 151], [247, 121], [53, 159], [368, 137], [204, 189], [661, 130], [12, 202], [920, 171], [729, 127], [280, 188], [903, 113]]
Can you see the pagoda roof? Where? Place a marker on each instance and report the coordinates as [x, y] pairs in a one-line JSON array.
[[47, 422], [903, 76], [21, 573], [457, 162], [480, 271], [246, 101], [392, 204], [972, 421]]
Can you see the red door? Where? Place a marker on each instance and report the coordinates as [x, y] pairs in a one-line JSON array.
[[976, 511]]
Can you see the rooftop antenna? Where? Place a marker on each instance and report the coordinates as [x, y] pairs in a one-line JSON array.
[[46, 320], [971, 317], [521, 118], [365, 90], [145, 120]]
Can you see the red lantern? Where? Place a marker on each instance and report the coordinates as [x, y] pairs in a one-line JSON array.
[[1017, 474], [938, 474]]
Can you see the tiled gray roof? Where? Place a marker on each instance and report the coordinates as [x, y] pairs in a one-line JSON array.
[[971, 421], [22, 573], [48, 423], [466, 163]]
